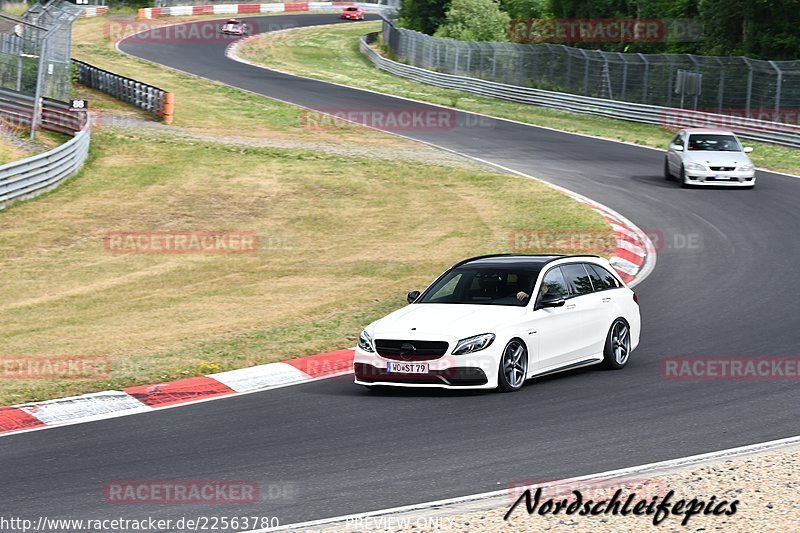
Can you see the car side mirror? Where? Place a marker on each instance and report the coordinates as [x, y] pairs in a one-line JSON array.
[[676, 147], [550, 300], [748, 149], [413, 295]]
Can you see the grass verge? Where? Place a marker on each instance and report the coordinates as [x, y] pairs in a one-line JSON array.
[[332, 54]]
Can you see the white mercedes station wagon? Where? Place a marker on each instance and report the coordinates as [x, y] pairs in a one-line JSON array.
[[494, 321]]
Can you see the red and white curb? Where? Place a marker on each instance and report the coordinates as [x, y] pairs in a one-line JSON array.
[[144, 398], [241, 9]]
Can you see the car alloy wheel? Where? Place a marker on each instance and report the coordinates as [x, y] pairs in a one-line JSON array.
[[513, 367], [618, 345]]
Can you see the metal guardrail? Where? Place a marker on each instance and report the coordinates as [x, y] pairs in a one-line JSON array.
[[146, 97], [16, 110], [759, 130], [20, 180]]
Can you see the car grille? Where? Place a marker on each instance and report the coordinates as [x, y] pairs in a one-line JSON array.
[[723, 169], [422, 350]]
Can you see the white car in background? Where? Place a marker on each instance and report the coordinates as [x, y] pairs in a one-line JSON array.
[[709, 157], [494, 321]]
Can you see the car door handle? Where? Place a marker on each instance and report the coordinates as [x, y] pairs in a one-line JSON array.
[[570, 306], [606, 300]]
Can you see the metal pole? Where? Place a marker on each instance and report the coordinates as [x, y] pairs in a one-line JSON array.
[[37, 98], [645, 78], [749, 86], [778, 83], [721, 92]]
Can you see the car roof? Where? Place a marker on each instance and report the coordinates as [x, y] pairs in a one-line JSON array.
[[708, 130], [523, 260]]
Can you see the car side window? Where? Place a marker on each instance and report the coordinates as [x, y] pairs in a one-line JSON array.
[[609, 280], [597, 281], [577, 279], [678, 140], [554, 283]]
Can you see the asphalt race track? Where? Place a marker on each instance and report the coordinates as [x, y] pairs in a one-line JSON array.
[[336, 449]]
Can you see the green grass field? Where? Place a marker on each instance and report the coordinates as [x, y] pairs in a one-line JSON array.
[[332, 54]]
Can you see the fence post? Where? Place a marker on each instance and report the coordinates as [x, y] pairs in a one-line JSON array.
[[645, 78], [748, 100], [721, 92], [778, 83]]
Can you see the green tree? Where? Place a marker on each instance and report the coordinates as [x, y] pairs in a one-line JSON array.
[[526, 9], [475, 20], [423, 15]]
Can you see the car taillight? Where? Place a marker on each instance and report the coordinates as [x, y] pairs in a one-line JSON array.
[[635, 298]]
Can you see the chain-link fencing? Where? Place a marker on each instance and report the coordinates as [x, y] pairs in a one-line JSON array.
[[723, 85], [35, 50]]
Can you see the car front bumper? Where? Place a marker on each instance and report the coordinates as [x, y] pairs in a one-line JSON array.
[[721, 178], [470, 371]]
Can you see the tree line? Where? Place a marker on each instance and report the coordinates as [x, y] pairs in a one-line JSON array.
[[764, 29]]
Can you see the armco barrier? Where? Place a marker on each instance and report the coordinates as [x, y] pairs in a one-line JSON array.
[[35, 175], [772, 132], [16, 110], [238, 9], [147, 97]]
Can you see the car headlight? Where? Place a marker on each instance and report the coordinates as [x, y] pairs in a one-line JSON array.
[[365, 342], [473, 344], [695, 166], [747, 167]]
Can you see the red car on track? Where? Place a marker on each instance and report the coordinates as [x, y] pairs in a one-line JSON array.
[[353, 13]]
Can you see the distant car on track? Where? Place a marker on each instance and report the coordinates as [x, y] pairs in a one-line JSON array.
[[233, 27], [709, 157], [353, 13], [494, 321]]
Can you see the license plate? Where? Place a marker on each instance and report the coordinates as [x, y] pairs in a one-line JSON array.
[[407, 368]]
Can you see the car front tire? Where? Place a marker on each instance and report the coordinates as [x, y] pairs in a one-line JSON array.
[[667, 173], [513, 367], [617, 350], [684, 183]]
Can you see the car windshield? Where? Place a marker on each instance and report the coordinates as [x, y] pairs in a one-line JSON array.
[[351, 9], [483, 285], [714, 143]]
